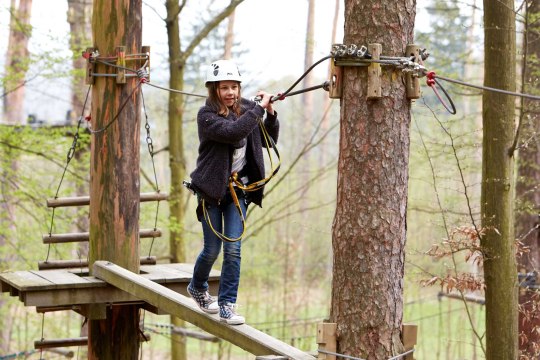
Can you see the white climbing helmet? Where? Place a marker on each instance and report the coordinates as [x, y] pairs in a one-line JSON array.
[[221, 70]]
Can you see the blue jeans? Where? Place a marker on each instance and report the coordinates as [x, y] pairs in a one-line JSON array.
[[226, 220]]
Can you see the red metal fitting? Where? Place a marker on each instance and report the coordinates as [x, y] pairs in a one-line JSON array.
[[430, 78]]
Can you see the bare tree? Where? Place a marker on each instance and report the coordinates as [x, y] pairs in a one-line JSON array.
[[497, 195]]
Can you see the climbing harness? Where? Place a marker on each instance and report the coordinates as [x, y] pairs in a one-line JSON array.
[[235, 182]]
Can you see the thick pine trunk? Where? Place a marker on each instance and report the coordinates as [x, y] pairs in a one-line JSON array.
[[527, 188], [114, 174], [370, 222], [497, 198]]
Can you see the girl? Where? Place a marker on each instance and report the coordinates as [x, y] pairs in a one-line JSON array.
[[230, 145]]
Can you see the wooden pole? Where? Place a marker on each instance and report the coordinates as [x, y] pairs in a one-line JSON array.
[[326, 338], [114, 175]]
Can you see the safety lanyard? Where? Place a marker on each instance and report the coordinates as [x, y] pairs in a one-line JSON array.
[[233, 180]]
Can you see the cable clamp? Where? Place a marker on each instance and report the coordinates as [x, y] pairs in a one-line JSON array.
[[430, 78], [143, 75]]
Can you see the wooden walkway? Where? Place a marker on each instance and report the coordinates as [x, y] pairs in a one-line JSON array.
[[244, 336], [74, 287]]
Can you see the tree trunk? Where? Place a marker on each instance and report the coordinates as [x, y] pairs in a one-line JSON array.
[[527, 189], [114, 174], [17, 60], [370, 222], [16, 67], [497, 195], [79, 17], [229, 37], [177, 161]]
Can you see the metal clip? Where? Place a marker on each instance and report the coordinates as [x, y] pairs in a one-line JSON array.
[[361, 52]]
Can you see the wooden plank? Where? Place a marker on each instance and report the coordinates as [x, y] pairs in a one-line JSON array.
[[85, 200], [244, 336], [80, 263], [410, 337], [326, 338], [25, 280], [374, 89], [412, 84], [80, 296]]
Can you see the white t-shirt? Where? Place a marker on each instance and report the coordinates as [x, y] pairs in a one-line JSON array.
[[239, 161]]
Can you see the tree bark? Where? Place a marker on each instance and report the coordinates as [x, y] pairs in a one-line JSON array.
[[114, 174], [527, 188], [79, 17], [497, 194], [17, 60], [16, 67], [229, 37], [369, 227]]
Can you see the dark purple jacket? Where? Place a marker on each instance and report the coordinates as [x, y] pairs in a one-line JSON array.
[[219, 136]]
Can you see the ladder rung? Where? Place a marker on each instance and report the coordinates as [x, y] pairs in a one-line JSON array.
[[70, 264], [47, 344], [81, 237], [85, 200], [79, 341]]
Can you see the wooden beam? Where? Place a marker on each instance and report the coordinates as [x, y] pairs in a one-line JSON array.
[[82, 263], [84, 236], [85, 200], [78, 341], [244, 336], [47, 344], [412, 83], [374, 88], [326, 338], [410, 337]]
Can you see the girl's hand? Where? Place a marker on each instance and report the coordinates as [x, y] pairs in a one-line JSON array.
[[265, 101]]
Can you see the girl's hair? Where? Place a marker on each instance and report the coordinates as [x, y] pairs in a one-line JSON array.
[[214, 101]]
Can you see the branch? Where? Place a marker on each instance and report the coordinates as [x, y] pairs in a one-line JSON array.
[[209, 27]]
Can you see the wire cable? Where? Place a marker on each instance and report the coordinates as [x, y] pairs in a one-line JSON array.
[[487, 88]]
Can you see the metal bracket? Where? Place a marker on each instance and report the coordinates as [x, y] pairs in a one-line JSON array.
[[119, 60]]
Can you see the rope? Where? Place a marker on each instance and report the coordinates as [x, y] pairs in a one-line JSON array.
[[69, 156], [118, 113], [18, 354], [431, 81], [150, 144], [487, 88], [143, 75]]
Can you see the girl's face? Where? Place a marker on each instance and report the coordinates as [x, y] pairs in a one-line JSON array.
[[228, 91]]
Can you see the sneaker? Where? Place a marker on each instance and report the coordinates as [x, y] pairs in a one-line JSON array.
[[206, 302], [227, 313]]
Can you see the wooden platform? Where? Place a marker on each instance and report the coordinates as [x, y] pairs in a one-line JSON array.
[[74, 287]]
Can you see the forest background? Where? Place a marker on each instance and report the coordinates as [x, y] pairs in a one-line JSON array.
[[287, 265]]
